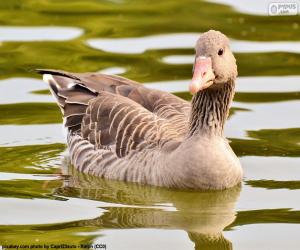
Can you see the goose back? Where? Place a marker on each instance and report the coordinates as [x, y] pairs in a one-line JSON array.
[[111, 117]]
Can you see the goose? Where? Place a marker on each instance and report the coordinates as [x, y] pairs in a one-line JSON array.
[[120, 130]]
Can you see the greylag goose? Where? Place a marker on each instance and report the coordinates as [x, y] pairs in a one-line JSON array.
[[118, 129]]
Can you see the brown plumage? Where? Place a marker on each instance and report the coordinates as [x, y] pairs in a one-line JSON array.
[[119, 129]]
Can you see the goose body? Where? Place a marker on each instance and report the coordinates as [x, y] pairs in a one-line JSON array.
[[119, 129]]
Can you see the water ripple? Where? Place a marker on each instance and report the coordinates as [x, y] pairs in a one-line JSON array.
[[138, 45], [30, 34]]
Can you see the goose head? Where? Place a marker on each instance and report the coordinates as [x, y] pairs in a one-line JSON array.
[[215, 64]]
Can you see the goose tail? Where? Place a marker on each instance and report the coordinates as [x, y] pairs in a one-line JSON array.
[[71, 96]]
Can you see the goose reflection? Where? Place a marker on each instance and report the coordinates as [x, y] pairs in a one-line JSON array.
[[203, 215]]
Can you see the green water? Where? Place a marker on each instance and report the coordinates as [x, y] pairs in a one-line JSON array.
[[43, 201]]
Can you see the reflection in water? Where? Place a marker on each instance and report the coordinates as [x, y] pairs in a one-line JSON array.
[[113, 71], [15, 212], [263, 125], [137, 45], [31, 135], [244, 84], [30, 34], [21, 90], [270, 168], [254, 7], [278, 116], [269, 142], [203, 215], [18, 90], [15, 176]]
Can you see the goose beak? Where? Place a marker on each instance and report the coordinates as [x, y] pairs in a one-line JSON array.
[[203, 76]]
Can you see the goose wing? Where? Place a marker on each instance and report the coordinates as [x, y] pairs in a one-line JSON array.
[[118, 123], [115, 113], [160, 103]]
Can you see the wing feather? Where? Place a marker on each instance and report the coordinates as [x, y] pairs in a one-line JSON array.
[[115, 114], [129, 126], [80, 88]]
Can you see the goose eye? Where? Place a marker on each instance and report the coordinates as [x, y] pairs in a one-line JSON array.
[[220, 52]]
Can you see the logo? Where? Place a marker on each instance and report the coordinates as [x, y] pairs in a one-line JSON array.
[[283, 9]]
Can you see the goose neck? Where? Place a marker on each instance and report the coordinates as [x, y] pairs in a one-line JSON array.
[[210, 109]]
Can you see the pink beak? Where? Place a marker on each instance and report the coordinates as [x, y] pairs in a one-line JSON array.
[[203, 74]]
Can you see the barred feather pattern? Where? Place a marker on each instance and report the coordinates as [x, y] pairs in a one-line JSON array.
[[120, 130], [210, 109], [117, 128]]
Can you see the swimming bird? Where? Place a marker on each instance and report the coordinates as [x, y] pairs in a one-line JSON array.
[[118, 129]]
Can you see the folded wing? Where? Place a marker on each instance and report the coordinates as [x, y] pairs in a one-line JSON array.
[[115, 113]]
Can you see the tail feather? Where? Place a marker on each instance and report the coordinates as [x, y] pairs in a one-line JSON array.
[[73, 91], [71, 96]]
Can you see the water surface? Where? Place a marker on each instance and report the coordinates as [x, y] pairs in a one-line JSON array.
[[43, 200]]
